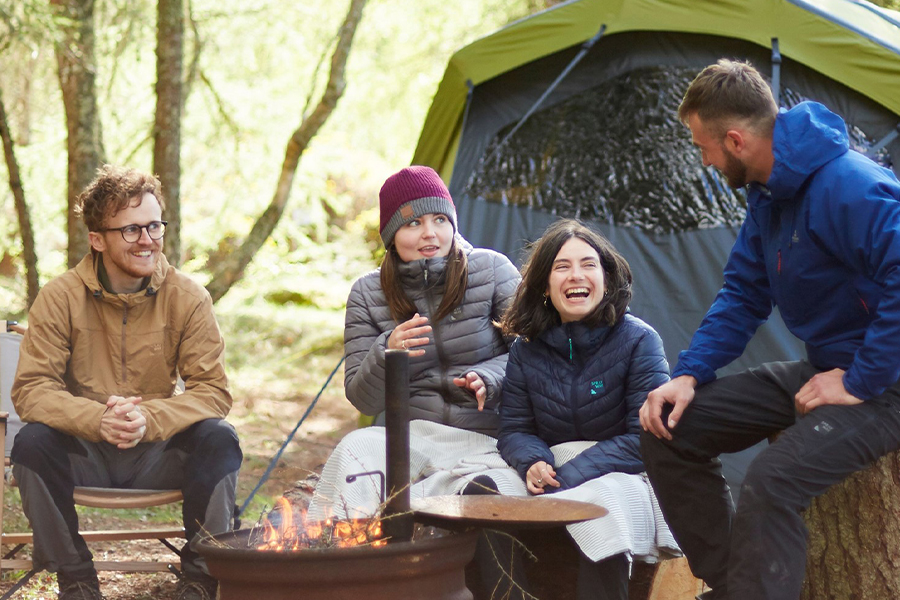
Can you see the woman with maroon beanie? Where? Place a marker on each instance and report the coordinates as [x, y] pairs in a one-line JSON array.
[[439, 298]]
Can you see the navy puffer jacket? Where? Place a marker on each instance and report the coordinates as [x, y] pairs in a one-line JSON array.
[[576, 383]]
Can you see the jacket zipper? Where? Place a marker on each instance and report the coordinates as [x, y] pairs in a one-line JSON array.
[[439, 347], [124, 323], [573, 394], [864, 305], [778, 268]]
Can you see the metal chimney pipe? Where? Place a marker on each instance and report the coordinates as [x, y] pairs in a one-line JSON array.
[[398, 523]]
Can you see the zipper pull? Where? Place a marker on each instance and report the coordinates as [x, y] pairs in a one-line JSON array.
[[426, 274], [778, 268], [570, 349]]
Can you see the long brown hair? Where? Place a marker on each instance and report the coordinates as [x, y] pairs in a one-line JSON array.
[[528, 316], [456, 278]]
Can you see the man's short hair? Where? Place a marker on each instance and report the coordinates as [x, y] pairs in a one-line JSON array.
[[730, 91], [113, 190]]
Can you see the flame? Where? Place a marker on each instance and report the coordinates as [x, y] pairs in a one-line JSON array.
[[294, 534]]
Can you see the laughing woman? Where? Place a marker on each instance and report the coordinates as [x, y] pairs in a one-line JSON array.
[[576, 379]]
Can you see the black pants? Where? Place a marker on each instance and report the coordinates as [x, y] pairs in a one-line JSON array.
[[202, 461], [759, 551]]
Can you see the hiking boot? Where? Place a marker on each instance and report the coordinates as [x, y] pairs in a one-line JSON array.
[[197, 586], [78, 589]]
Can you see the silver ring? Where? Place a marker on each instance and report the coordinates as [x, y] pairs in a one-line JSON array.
[[403, 344], [541, 480]]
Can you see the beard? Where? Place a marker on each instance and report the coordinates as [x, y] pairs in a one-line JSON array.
[[735, 171]]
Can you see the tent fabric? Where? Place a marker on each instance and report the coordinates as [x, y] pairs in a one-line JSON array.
[[850, 41], [843, 53]]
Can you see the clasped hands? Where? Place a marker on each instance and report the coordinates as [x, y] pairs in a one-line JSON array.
[[123, 423], [414, 333]]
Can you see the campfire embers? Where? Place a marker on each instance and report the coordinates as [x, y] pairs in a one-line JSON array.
[[288, 530]]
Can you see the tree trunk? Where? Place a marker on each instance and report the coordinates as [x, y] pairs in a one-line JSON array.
[[231, 268], [854, 537], [77, 79], [15, 185], [167, 130]]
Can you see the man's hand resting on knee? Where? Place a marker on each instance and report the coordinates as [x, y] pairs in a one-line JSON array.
[[678, 392], [123, 424], [824, 388]]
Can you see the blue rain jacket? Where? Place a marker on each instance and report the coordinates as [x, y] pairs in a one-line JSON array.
[[822, 242]]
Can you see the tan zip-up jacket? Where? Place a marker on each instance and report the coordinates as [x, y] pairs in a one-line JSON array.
[[85, 344]]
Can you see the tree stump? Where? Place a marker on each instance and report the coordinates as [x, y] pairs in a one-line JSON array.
[[854, 537]]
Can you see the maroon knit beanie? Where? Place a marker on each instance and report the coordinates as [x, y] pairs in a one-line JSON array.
[[409, 194]]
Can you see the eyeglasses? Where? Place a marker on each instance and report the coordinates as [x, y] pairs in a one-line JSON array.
[[132, 233]]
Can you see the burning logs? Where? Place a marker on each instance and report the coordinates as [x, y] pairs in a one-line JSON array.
[[286, 529]]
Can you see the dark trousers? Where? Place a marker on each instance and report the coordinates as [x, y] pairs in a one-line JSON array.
[[603, 580], [202, 461], [759, 551]]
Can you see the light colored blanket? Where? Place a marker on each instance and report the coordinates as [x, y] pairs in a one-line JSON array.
[[444, 459]]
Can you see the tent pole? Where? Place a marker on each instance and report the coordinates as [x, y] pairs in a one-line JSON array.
[[585, 47], [776, 72], [890, 137]]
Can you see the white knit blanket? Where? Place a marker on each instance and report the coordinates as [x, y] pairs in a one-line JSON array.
[[444, 459]]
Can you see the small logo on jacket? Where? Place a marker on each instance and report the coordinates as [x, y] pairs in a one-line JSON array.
[[596, 386]]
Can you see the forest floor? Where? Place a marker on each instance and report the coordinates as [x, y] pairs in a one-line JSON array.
[[263, 417]]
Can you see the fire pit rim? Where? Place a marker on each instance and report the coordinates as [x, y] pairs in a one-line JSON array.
[[205, 547]]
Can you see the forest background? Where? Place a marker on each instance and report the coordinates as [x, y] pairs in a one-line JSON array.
[[272, 125]]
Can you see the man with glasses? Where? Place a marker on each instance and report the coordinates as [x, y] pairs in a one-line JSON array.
[[96, 384], [821, 241]]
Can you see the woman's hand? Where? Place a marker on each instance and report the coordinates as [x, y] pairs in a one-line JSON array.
[[540, 475], [409, 334], [473, 382]]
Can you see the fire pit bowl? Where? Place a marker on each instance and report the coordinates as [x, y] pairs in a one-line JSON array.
[[427, 569]]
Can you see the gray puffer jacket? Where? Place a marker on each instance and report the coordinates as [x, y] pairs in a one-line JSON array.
[[465, 340]]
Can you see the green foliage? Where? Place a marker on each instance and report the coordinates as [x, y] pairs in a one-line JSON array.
[[261, 63]]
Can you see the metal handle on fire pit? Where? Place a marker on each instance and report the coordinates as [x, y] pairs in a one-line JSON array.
[[398, 523]]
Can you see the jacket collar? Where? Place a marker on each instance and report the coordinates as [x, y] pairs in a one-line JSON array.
[[87, 270], [575, 339], [414, 270]]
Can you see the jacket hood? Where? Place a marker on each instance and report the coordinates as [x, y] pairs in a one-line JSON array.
[[87, 271], [805, 138]]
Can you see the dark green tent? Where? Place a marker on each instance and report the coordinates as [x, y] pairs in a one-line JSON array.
[[571, 112]]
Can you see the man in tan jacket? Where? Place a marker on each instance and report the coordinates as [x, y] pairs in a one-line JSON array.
[[96, 385]]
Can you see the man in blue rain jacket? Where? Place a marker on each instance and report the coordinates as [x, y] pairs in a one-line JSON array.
[[821, 241]]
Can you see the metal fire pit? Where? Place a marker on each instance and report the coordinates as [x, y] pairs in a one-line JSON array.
[[428, 569]]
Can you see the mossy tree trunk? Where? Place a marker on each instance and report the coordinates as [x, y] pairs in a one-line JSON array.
[[854, 537], [167, 129], [77, 65], [26, 230]]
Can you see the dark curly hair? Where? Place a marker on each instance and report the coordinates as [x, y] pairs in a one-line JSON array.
[[112, 190], [528, 316]]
